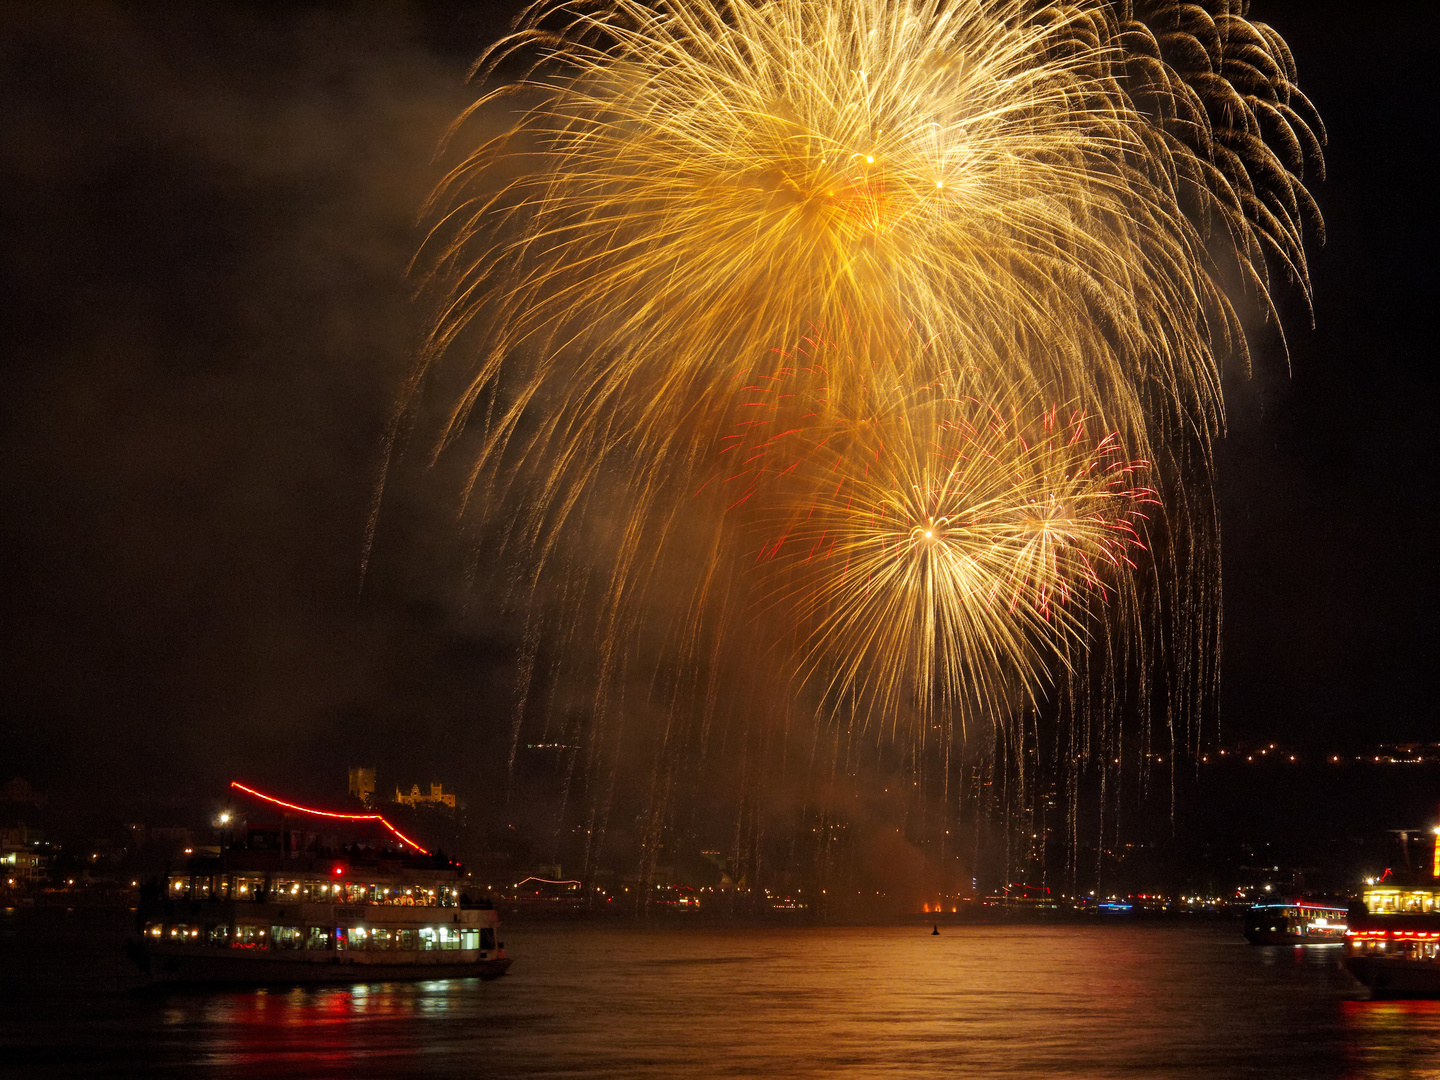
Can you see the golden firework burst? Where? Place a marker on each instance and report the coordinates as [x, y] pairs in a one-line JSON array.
[[928, 550]]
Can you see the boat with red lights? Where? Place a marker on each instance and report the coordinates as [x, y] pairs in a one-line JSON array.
[[1393, 944], [1296, 922], [289, 903]]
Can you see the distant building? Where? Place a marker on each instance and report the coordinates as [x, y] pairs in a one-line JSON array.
[[438, 799], [22, 857], [19, 791], [362, 784], [21, 867], [19, 836]]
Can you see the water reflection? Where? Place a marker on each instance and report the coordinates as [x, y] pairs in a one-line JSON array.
[[316, 1030], [1299, 955], [1391, 1040], [991, 1002], [985, 1002]]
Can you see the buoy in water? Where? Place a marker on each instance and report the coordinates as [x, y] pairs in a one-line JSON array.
[[936, 931]]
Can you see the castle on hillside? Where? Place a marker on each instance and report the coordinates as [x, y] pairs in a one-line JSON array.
[[438, 799], [362, 784], [362, 787]]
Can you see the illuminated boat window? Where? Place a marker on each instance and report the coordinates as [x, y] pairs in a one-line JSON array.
[[249, 937], [1393, 900]]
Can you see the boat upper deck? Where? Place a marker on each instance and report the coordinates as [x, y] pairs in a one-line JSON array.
[[353, 877]]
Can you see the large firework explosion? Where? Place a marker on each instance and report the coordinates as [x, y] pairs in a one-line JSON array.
[[1062, 202]]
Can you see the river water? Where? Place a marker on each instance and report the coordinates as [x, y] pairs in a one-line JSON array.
[[1087, 1002]]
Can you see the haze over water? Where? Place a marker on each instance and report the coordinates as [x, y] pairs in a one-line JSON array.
[[982, 1001]]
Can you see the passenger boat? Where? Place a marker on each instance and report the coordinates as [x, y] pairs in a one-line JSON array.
[[282, 907], [1393, 945], [1296, 922]]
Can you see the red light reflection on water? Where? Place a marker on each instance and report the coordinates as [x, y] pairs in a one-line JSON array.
[[319, 1028]]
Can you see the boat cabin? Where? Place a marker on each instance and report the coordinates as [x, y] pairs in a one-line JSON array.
[[312, 901], [1393, 898]]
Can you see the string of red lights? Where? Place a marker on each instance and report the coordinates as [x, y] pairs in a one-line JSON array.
[[328, 813]]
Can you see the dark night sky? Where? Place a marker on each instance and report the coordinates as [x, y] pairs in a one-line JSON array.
[[207, 218], [1328, 476]]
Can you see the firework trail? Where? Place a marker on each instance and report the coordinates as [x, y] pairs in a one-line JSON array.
[[1223, 90]]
